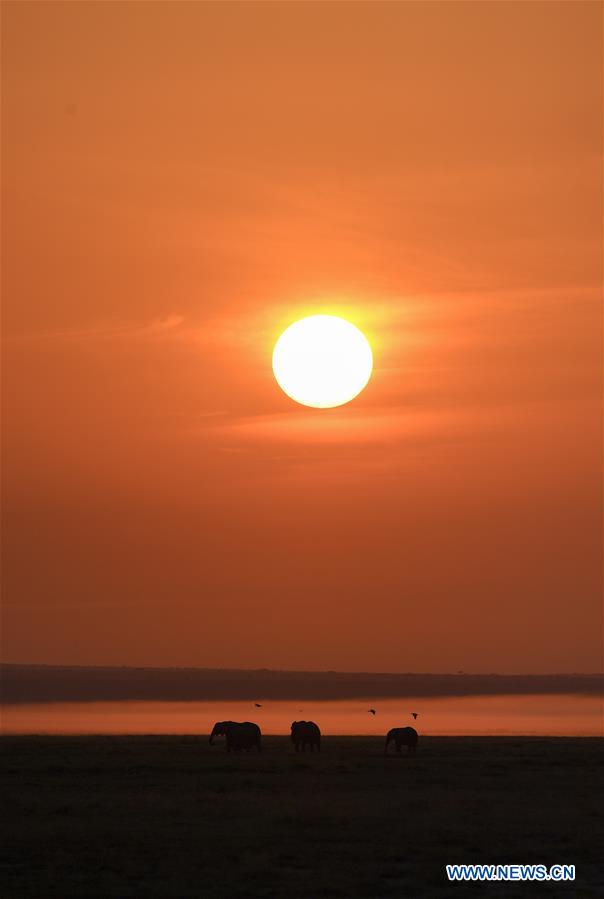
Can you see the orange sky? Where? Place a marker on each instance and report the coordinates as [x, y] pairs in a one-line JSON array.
[[181, 181]]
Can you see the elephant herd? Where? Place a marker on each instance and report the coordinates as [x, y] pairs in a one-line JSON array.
[[246, 735]]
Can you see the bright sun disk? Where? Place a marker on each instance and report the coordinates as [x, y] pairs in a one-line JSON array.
[[322, 361]]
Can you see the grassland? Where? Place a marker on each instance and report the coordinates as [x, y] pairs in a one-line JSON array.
[[172, 817]]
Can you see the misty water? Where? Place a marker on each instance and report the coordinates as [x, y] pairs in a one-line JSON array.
[[538, 715]]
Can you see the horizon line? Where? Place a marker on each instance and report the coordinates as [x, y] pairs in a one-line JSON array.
[[321, 671], [80, 683]]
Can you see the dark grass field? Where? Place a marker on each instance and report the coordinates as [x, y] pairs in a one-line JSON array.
[[172, 817]]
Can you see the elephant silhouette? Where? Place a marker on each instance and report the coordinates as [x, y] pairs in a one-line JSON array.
[[239, 735], [402, 736], [306, 732]]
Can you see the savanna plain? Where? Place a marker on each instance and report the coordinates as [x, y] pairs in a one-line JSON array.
[[170, 816]]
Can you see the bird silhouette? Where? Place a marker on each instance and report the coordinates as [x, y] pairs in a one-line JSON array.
[[258, 705], [371, 711], [415, 714]]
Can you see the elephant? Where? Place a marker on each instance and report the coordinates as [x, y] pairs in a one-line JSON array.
[[238, 735], [304, 732], [402, 736]]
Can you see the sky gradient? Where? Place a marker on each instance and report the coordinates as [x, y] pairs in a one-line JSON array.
[[184, 180]]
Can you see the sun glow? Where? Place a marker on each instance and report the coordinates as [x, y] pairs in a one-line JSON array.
[[322, 361]]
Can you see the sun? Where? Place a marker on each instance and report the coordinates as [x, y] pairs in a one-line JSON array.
[[322, 361]]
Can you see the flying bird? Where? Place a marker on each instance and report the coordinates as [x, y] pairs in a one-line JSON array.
[[371, 711], [258, 705], [415, 714]]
